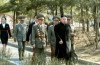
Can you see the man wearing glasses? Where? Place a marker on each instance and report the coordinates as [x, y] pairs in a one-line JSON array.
[[51, 35]]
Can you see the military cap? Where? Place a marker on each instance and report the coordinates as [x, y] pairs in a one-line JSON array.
[[56, 17], [40, 16]]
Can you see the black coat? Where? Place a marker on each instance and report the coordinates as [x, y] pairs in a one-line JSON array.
[[62, 31], [29, 31], [4, 33]]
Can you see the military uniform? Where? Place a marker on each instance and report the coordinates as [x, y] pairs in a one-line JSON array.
[[39, 35], [39, 39], [20, 35], [52, 39]]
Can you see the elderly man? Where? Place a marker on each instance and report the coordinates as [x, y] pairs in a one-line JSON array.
[[20, 36], [62, 33]]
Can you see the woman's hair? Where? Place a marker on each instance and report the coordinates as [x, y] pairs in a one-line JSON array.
[[3, 17]]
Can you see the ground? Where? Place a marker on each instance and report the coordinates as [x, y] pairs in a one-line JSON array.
[[85, 49], [4, 62]]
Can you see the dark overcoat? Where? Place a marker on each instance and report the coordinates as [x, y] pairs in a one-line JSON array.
[[62, 32]]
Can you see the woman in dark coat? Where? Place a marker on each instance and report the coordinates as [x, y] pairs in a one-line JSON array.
[[62, 33], [4, 31]]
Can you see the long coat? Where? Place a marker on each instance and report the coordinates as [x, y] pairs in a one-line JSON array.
[[4, 33], [20, 32], [62, 32]]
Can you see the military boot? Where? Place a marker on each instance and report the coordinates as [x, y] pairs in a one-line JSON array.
[[20, 55]]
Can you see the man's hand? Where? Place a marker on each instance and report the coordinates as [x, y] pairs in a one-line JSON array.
[[60, 42]]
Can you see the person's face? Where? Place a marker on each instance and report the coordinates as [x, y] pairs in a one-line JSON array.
[[64, 20], [21, 21], [56, 21], [68, 20], [40, 21], [3, 20]]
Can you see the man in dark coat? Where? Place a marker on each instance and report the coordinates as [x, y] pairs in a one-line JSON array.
[[29, 31], [62, 33]]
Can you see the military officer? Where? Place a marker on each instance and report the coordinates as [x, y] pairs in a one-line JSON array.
[[39, 36], [51, 35], [20, 36]]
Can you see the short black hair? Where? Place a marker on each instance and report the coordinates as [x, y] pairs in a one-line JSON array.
[[68, 16]]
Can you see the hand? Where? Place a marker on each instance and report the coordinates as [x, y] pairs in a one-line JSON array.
[[60, 42]]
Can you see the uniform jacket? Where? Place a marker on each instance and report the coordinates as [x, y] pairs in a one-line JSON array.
[[20, 32], [39, 35], [51, 35]]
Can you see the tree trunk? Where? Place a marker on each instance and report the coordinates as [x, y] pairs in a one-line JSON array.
[[96, 25], [97, 33], [87, 18], [52, 12], [56, 12], [82, 20], [61, 11], [87, 25], [35, 11], [14, 19], [83, 25], [71, 12]]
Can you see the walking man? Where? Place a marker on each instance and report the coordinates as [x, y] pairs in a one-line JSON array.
[[39, 34], [20, 36], [51, 35], [63, 47]]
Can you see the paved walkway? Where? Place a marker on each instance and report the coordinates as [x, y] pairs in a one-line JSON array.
[[13, 49]]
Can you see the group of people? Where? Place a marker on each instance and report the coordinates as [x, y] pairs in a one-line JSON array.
[[58, 35]]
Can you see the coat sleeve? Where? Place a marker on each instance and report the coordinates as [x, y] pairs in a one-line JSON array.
[[33, 35], [49, 35], [9, 31], [29, 31], [56, 32]]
